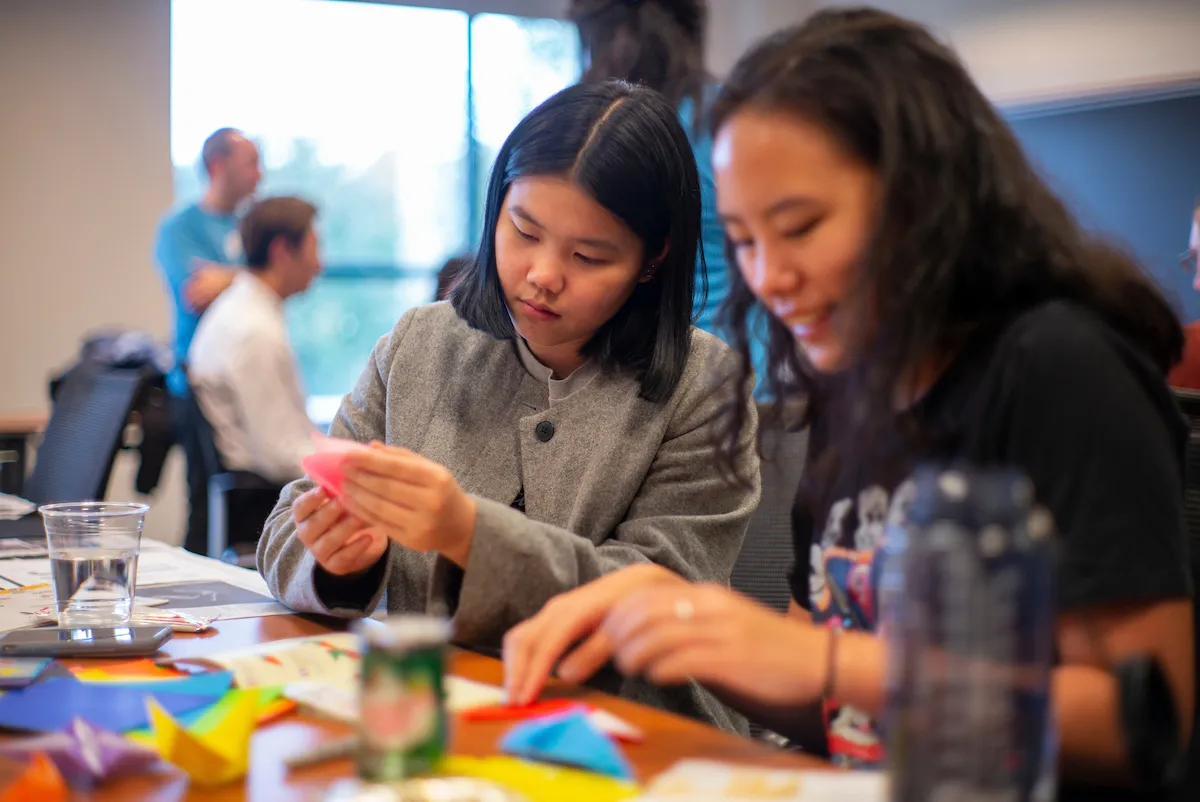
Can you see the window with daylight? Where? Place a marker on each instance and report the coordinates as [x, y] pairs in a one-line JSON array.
[[385, 116]]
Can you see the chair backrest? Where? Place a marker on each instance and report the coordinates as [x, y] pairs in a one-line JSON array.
[[1189, 405], [767, 553], [198, 440], [92, 404]]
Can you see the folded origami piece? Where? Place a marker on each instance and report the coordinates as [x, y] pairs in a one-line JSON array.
[[568, 739], [216, 756], [84, 755], [324, 466]]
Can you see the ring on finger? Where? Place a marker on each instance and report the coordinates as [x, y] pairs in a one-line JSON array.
[[684, 609]]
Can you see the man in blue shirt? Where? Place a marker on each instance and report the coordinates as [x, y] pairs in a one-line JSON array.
[[198, 251], [198, 246]]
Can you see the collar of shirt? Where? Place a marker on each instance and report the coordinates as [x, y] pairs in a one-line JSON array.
[[559, 388], [254, 289]]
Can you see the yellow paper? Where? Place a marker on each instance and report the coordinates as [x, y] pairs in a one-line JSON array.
[[540, 782], [220, 754]]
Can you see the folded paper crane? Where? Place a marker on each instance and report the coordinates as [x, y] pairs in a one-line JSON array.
[[85, 755], [216, 756]]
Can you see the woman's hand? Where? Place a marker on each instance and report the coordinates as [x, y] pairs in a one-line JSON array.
[[533, 647], [341, 543], [670, 634], [412, 500]]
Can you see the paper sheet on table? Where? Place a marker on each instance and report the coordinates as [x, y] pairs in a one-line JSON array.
[[198, 585], [338, 701], [333, 657], [710, 781]]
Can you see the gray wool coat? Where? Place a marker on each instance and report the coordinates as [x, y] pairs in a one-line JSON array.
[[621, 481]]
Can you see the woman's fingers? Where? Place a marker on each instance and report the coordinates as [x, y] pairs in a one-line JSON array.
[[587, 658], [307, 503], [636, 655], [387, 510], [350, 558], [315, 526], [335, 538], [522, 685]]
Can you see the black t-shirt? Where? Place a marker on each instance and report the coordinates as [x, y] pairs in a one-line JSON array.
[[1060, 395]]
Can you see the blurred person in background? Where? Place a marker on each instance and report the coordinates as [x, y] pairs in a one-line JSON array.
[[660, 44], [241, 365], [197, 252], [1187, 373], [198, 247]]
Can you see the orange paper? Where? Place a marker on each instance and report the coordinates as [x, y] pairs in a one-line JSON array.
[[125, 671], [40, 782]]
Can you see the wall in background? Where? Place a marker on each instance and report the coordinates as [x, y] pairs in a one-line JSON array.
[[1030, 50], [86, 176], [1131, 171]]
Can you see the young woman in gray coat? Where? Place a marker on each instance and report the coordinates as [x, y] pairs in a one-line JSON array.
[[551, 424]]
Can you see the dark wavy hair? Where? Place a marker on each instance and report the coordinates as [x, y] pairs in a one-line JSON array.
[[966, 236], [624, 146], [658, 43]]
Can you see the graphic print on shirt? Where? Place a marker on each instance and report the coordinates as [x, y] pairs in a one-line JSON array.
[[843, 587]]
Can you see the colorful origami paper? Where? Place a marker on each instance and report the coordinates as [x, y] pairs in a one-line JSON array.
[[144, 670], [521, 712], [84, 755], [53, 703], [40, 782], [215, 757], [568, 739], [17, 672], [270, 706], [602, 720], [538, 782]]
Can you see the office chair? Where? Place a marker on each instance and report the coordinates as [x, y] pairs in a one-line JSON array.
[[761, 568], [767, 552], [1189, 405], [237, 502], [91, 406]]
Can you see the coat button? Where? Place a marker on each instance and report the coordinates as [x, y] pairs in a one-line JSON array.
[[544, 431]]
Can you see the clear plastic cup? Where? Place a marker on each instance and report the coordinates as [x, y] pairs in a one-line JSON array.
[[94, 549]]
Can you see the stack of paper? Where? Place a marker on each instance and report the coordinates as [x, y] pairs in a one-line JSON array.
[[710, 781]]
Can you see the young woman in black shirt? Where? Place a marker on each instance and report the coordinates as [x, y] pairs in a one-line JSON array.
[[946, 306]]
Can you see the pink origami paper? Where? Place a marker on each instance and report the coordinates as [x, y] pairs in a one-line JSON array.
[[325, 464], [84, 754]]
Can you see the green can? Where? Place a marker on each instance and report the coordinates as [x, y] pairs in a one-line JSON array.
[[403, 723]]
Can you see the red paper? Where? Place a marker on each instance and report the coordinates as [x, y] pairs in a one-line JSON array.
[[522, 712], [324, 466]]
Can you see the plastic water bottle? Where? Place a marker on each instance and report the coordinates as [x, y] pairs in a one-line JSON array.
[[967, 609]]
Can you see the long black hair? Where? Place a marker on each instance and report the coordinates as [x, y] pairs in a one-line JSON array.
[[966, 235], [624, 146], [658, 43]]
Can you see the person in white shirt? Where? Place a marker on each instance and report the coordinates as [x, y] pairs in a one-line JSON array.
[[241, 365]]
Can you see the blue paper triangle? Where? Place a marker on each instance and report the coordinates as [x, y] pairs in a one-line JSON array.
[[50, 705], [569, 739]]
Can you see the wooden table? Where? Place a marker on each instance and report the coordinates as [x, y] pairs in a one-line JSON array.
[[669, 737]]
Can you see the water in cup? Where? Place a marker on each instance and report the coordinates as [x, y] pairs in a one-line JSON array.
[[93, 550]]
